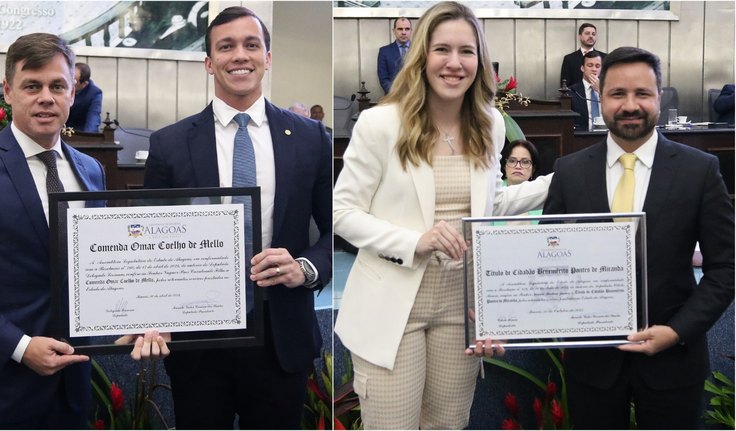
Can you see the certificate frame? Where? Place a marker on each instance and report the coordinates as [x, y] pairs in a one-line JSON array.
[[532, 291], [181, 199]]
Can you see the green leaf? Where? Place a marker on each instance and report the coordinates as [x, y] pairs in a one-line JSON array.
[[520, 371], [513, 131]]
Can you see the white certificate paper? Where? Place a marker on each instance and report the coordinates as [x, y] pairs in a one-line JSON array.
[[172, 268], [553, 281]]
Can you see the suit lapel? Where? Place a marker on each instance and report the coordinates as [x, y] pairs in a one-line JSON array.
[[594, 172], [284, 137], [423, 177], [203, 150], [661, 178], [80, 171], [16, 165]]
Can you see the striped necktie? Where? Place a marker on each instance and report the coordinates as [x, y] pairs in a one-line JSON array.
[[244, 175]]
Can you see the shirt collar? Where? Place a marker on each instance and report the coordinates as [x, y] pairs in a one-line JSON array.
[[645, 153], [225, 113], [408, 43], [30, 147]]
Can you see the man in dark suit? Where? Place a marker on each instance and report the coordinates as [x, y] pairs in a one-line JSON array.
[[265, 386], [391, 56], [572, 62], [683, 194], [85, 114], [42, 383], [587, 92], [724, 104]]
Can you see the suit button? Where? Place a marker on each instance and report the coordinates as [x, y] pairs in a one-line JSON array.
[[400, 261]]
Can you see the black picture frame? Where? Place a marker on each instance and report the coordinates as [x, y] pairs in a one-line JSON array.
[[199, 339]]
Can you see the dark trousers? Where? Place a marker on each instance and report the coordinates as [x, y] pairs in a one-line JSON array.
[[248, 382], [595, 408]]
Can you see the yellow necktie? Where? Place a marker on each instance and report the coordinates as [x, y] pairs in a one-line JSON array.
[[623, 198]]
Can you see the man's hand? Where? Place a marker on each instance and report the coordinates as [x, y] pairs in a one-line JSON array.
[[275, 266], [149, 345], [652, 340], [46, 356], [594, 82]]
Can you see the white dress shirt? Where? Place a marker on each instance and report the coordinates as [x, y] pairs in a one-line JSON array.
[[642, 169], [260, 134], [589, 98]]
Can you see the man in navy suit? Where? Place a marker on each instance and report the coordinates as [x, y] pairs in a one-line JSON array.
[[265, 386], [390, 57], [723, 104], [582, 96], [85, 114], [570, 70], [684, 197], [42, 383]]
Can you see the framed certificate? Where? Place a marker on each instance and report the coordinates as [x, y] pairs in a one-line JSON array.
[[556, 280], [175, 260]]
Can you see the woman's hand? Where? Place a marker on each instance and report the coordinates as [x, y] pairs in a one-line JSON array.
[[444, 238], [487, 348]]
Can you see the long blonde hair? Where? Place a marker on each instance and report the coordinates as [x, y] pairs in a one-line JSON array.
[[409, 91]]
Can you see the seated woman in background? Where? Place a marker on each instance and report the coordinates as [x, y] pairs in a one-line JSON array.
[[520, 163]]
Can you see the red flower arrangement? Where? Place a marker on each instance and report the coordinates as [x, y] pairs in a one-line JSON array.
[[6, 113], [550, 411]]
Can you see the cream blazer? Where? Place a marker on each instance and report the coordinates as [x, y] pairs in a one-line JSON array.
[[383, 210]]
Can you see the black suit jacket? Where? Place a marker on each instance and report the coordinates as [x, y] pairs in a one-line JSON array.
[[184, 155], [686, 202], [571, 63], [579, 104]]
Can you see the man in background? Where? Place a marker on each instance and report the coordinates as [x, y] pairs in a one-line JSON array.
[[85, 114], [264, 386], [316, 112], [43, 384], [585, 95], [572, 62], [681, 190], [299, 108], [391, 56]]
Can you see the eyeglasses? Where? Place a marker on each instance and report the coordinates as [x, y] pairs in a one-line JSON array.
[[512, 162]]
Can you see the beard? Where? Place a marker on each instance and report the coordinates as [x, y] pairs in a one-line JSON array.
[[631, 132]]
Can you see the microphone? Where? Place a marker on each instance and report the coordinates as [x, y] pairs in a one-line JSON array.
[[127, 131]]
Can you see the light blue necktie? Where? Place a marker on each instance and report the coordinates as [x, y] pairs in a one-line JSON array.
[[594, 111], [244, 175], [402, 49]]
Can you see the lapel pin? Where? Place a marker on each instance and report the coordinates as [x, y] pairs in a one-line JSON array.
[[287, 132]]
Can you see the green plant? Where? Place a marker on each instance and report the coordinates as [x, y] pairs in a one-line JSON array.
[[113, 412], [508, 92], [328, 407], [552, 413], [722, 403]]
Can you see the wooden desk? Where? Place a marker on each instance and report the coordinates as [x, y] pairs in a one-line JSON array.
[[102, 147], [719, 142]]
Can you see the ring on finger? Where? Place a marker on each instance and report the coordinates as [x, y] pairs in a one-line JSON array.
[[278, 271]]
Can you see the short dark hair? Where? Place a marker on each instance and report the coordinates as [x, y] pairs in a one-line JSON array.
[[585, 25], [84, 72], [506, 153], [592, 54], [627, 55], [401, 18], [231, 14], [37, 50]]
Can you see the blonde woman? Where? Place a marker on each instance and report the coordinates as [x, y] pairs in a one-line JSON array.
[[425, 157]]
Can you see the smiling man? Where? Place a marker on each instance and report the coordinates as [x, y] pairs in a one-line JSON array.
[[42, 383], [684, 197], [242, 140]]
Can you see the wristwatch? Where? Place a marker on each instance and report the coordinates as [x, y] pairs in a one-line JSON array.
[[310, 276]]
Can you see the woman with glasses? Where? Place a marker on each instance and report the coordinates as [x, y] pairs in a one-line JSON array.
[[417, 163], [519, 163]]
